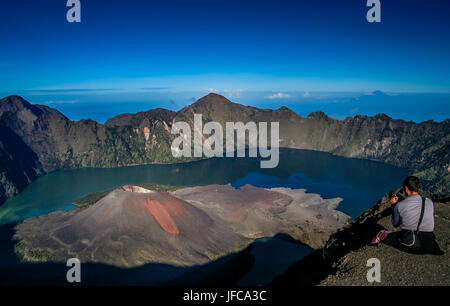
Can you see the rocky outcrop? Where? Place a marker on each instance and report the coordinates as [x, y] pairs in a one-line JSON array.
[[54, 142]]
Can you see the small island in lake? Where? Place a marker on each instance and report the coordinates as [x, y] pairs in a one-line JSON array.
[[130, 225]]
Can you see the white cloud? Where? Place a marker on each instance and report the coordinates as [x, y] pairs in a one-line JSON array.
[[233, 93], [279, 95], [60, 102], [211, 90], [230, 93]]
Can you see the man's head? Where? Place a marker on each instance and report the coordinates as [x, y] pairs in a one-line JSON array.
[[412, 185]]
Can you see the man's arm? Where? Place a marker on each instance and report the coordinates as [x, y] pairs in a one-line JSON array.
[[396, 219]]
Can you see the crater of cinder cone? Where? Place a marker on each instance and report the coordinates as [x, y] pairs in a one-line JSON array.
[[160, 213], [136, 189]]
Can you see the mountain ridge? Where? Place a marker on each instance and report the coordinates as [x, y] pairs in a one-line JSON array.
[[145, 137]]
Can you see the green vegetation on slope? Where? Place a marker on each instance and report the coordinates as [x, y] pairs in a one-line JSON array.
[[27, 254]]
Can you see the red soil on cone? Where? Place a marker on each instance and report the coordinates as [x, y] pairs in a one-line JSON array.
[[163, 207], [174, 206], [161, 215]]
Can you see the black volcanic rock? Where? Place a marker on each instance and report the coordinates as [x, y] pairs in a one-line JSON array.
[[145, 137]]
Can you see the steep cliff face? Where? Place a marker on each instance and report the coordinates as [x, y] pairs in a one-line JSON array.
[[130, 139], [19, 164], [423, 147], [62, 143]]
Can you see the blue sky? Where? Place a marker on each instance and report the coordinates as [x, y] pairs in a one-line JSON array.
[[306, 54]]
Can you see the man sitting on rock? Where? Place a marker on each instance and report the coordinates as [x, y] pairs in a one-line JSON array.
[[415, 217]]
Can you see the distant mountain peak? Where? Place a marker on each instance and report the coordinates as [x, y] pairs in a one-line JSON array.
[[14, 99], [382, 116], [15, 103], [317, 115], [287, 111], [213, 94], [213, 98], [378, 93]]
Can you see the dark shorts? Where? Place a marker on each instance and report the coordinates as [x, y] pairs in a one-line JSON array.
[[427, 241]]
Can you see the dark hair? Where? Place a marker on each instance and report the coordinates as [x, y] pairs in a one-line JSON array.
[[412, 182]]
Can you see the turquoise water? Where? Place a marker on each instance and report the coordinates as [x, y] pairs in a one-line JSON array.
[[359, 182]]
